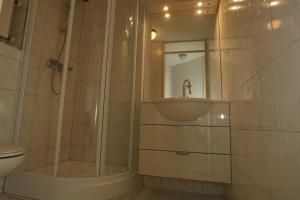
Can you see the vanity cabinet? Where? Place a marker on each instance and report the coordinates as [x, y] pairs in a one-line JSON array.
[[196, 150]]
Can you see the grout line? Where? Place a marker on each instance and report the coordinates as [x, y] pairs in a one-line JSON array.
[[9, 90], [266, 130], [266, 66], [253, 182], [189, 152], [185, 125]]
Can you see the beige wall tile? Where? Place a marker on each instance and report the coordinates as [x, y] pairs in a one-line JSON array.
[[260, 78], [10, 52], [9, 73], [83, 153], [7, 105], [189, 186], [6, 129], [40, 111]]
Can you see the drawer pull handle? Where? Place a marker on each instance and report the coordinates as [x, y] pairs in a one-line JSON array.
[[182, 153]]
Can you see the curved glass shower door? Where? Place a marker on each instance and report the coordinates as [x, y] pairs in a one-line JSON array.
[[41, 95], [98, 101], [89, 48], [102, 99], [120, 83]]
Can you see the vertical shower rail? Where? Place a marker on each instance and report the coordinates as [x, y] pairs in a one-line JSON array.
[[133, 88], [105, 88], [63, 87], [25, 58]]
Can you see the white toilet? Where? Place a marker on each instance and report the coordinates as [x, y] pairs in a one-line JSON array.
[[11, 156]]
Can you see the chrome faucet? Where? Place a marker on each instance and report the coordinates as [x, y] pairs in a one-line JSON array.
[[186, 84]]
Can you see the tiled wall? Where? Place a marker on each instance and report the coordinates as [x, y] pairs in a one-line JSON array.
[[153, 79], [147, 92], [214, 65], [138, 83], [9, 73], [10, 69], [260, 65], [183, 185], [40, 111], [39, 118]]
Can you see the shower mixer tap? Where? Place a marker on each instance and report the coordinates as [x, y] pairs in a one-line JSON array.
[[55, 63]]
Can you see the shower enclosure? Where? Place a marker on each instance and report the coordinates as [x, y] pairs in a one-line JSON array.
[[77, 121], [98, 92]]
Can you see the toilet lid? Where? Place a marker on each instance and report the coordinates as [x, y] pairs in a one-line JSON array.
[[10, 150]]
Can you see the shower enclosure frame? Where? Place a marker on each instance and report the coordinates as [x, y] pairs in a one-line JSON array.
[[105, 84], [93, 188], [105, 88], [64, 87]]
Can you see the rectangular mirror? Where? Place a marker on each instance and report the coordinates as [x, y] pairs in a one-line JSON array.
[[185, 54], [185, 61], [6, 13]]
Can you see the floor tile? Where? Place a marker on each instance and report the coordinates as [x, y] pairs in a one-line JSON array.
[[156, 194]]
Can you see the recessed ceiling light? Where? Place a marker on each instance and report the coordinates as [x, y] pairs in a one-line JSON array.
[[234, 8], [131, 20], [274, 24], [222, 116], [166, 8], [167, 15], [200, 4], [199, 12], [274, 3], [237, 1]]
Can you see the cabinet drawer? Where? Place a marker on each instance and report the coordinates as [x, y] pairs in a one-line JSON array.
[[185, 138], [192, 166]]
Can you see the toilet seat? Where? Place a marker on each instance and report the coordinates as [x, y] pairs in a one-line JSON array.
[[10, 150]]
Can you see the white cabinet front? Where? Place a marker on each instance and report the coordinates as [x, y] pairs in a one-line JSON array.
[[183, 165], [185, 138]]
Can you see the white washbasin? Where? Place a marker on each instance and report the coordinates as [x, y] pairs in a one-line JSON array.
[[183, 109]]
